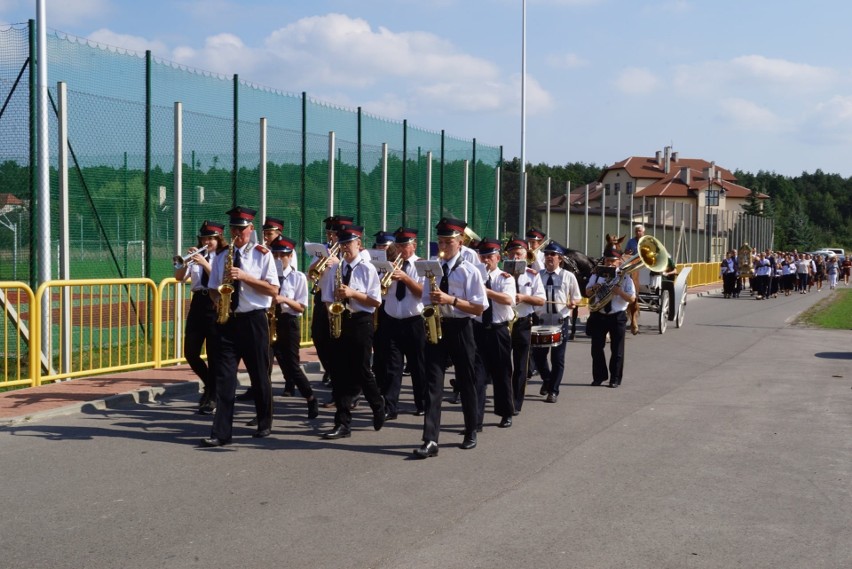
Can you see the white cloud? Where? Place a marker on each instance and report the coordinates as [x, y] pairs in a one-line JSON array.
[[636, 81], [754, 71], [125, 41], [671, 6], [829, 122], [745, 115], [566, 61]]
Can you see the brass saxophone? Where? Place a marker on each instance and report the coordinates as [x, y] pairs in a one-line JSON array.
[[431, 314], [335, 310], [226, 289], [272, 316]]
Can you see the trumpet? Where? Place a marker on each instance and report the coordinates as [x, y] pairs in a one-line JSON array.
[[386, 280], [316, 272], [186, 260]]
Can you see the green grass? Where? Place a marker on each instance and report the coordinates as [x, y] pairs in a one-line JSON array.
[[833, 312]]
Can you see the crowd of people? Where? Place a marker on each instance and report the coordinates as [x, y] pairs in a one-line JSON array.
[[770, 273], [379, 312]]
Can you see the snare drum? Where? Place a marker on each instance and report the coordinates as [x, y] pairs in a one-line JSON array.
[[545, 336]]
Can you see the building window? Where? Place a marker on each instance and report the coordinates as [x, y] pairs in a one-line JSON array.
[[606, 189], [713, 198], [629, 188], [617, 188]]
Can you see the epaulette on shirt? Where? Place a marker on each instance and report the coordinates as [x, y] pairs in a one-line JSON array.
[[261, 248], [506, 275], [532, 271]]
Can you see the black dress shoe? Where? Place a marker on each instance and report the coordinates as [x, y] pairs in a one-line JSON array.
[[478, 429], [545, 388], [429, 448], [247, 396], [208, 408], [614, 385], [456, 398], [505, 423], [288, 392], [339, 432], [391, 416], [469, 441], [552, 398], [313, 408], [355, 401], [378, 419], [326, 378], [596, 383], [516, 412], [419, 413], [252, 423], [214, 442], [262, 434], [329, 403]]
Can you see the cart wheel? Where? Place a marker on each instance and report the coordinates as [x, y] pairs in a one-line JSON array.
[[664, 311], [681, 311]]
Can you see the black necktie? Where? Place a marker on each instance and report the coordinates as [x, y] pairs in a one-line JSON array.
[[347, 274], [235, 296], [488, 315], [400, 286], [549, 285], [445, 280], [205, 278]]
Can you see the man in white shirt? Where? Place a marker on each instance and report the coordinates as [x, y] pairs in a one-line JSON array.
[[245, 334], [563, 293]]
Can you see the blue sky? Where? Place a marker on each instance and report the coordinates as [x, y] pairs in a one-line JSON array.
[[755, 85]]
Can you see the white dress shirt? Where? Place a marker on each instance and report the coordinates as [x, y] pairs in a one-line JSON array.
[[618, 304], [364, 278], [256, 261], [411, 304], [529, 283], [505, 283], [294, 285], [465, 282], [564, 290]]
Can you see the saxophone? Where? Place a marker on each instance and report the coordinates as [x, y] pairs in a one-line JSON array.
[[226, 289], [335, 310], [431, 314], [272, 317]]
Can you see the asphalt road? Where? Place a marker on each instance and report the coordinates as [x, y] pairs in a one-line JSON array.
[[729, 444]]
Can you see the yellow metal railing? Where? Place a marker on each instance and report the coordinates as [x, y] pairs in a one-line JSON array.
[[19, 361], [97, 326]]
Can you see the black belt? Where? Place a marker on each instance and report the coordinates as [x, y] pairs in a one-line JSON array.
[[249, 313], [406, 319], [493, 326], [355, 315]]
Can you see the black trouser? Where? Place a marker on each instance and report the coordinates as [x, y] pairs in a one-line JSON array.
[[761, 285], [201, 328], [520, 359], [601, 324], [243, 337], [350, 366], [551, 374], [457, 343], [320, 333], [494, 365], [287, 353], [403, 337], [729, 283]]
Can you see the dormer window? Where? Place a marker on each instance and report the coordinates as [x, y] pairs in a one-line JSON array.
[[712, 198]]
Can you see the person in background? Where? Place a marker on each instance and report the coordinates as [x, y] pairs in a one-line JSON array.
[[728, 270], [530, 295], [832, 270], [846, 269], [201, 320], [292, 299]]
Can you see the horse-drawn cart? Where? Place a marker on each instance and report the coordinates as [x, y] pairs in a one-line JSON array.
[[664, 296]]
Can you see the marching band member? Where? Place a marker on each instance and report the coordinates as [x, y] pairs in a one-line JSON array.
[[611, 320], [383, 242], [491, 333], [360, 293], [404, 333], [459, 297], [202, 313], [319, 318], [530, 295], [534, 239], [563, 293], [273, 228], [292, 300], [245, 334]]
